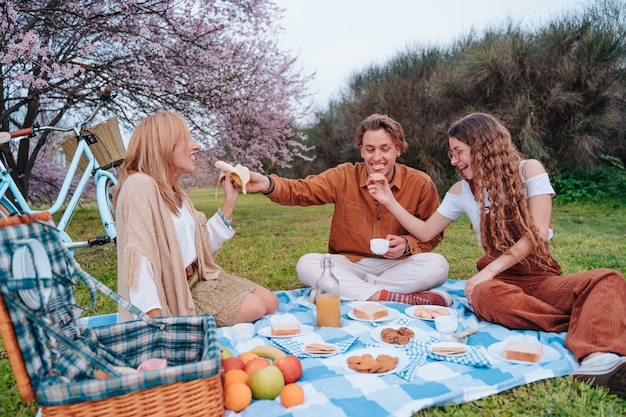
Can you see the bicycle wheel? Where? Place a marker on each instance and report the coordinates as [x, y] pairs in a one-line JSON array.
[[104, 197]]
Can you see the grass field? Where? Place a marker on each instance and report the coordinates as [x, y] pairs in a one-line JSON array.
[[270, 239]]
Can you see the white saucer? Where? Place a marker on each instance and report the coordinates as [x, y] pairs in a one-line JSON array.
[[393, 314], [403, 359], [466, 349], [410, 311], [548, 354], [420, 335], [304, 329]]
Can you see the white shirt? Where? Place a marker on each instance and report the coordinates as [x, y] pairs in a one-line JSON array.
[[454, 205], [145, 297]]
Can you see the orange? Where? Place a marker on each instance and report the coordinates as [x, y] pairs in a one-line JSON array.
[[237, 396], [291, 394], [246, 356], [235, 375]]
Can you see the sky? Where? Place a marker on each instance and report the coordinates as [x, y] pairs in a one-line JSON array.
[[337, 38]]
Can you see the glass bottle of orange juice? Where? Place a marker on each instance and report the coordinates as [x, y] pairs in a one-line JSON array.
[[327, 300]]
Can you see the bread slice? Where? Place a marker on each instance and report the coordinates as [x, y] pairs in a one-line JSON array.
[[522, 351], [370, 311], [285, 329]]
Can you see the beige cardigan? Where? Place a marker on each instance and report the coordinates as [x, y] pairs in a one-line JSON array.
[[145, 229]]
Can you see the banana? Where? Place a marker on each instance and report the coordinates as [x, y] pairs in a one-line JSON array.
[[269, 352], [239, 173]]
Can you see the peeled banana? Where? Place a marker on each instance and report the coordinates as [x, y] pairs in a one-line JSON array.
[[269, 352], [239, 173]]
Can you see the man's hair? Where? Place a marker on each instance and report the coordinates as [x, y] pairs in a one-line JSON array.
[[380, 121]]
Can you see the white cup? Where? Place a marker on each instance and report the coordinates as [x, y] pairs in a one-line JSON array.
[[446, 324], [379, 246], [243, 331]]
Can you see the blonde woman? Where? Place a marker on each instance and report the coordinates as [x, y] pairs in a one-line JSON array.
[[165, 246], [519, 284]]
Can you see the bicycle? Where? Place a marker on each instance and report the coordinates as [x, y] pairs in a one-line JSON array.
[[104, 180]]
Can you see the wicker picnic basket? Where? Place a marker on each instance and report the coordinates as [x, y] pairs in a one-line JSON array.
[[55, 358], [105, 141]]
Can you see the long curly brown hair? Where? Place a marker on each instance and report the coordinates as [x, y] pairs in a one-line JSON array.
[[495, 164]]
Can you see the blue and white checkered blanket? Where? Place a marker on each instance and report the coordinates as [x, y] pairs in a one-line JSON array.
[[429, 380]]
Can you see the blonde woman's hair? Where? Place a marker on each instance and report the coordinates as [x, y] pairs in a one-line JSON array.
[[495, 164], [150, 152]]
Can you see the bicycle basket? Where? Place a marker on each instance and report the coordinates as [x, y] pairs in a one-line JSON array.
[[54, 357], [105, 141]]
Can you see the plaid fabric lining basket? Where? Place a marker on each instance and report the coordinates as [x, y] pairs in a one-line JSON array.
[[55, 358]]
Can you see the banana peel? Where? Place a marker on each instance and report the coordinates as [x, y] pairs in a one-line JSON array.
[[239, 173], [269, 352]]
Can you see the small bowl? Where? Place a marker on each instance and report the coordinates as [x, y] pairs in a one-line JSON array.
[[243, 331], [446, 324]]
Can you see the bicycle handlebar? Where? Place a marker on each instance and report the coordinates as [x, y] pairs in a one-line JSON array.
[[27, 131], [106, 94]]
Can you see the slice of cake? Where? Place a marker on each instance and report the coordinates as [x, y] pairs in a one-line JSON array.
[[518, 350], [370, 311], [285, 329]]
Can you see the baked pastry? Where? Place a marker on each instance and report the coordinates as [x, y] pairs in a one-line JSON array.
[[522, 351], [370, 311], [285, 329]]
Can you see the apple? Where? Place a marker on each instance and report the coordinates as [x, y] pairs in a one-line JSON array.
[[226, 353], [266, 383], [232, 363], [290, 367], [255, 364]]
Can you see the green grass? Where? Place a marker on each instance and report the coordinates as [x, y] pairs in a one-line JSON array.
[[270, 238]]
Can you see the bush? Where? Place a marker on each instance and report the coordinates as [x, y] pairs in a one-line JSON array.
[[607, 182]]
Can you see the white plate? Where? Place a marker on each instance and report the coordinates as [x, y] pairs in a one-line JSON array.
[[403, 359], [410, 311], [27, 265], [321, 355], [420, 335], [393, 314], [449, 345], [547, 354], [304, 329]]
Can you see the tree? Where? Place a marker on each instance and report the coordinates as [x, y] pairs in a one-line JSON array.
[[214, 61], [560, 89]]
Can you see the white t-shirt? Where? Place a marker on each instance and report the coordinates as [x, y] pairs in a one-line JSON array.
[[453, 205], [145, 297]]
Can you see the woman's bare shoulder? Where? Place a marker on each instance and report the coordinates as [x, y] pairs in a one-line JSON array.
[[456, 188]]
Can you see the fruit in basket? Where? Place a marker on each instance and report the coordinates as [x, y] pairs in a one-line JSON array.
[[266, 383], [237, 396], [235, 375], [246, 356], [291, 395], [255, 364], [290, 367], [270, 352], [232, 363], [226, 353]]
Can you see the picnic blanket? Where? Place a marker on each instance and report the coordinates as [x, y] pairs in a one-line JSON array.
[[332, 390]]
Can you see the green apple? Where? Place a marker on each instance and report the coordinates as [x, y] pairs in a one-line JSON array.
[[226, 353], [266, 383]]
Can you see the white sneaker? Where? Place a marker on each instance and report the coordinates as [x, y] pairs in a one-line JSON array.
[[606, 370]]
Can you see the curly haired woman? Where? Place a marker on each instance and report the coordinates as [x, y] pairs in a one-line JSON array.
[[519, 284]]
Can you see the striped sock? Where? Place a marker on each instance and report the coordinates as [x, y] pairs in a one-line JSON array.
[[394, 296]]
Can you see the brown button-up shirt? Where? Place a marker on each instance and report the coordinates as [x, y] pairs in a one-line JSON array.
[[358, 217]]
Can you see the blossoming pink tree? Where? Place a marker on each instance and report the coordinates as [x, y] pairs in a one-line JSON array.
[[214, 61]]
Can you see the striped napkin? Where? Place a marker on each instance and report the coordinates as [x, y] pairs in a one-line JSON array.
[[296, 348]]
